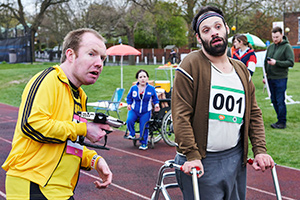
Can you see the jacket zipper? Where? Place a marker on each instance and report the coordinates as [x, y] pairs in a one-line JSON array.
[[56, 166], [141, 106]]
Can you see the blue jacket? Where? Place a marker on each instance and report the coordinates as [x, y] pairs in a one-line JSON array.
[[145, 104]]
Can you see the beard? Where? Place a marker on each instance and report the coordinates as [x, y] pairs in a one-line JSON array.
[[217, 50]]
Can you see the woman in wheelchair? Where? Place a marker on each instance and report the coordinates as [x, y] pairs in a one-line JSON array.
[[139, 99]]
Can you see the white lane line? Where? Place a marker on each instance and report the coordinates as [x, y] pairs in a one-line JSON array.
[[289, 168], [137, 155], [155, 160], [120, 187], [7, 121], [5, 140], [269, 193], [2, 194]]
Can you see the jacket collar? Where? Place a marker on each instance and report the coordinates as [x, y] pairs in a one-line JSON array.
[[61, 74]]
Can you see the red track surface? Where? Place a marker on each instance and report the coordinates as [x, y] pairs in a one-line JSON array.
[[135, 171]]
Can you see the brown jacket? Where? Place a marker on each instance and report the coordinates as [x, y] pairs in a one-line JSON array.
[[190, 107]]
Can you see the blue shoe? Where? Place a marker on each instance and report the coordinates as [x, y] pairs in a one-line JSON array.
[[143, 147]]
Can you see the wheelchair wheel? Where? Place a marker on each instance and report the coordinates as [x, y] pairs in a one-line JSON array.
[[154, 138], [154, 132], [157, 124], [167, 129]]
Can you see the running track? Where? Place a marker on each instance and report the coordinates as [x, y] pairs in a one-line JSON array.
[[135, 171]]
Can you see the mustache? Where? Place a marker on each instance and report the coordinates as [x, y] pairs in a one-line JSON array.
[[216, 38], [215, 50]]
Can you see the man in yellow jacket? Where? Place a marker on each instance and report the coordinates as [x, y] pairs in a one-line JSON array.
[[45, 159]]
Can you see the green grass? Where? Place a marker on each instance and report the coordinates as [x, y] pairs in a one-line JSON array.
[[283, 145]]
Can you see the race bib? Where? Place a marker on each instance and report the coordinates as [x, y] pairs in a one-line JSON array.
[[74, 148], [227, 104]]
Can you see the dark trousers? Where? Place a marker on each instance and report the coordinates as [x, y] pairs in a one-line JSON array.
[[224, 176], [36, 194], [277, 89]]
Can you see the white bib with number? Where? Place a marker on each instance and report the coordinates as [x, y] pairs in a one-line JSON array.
[[226, 110]]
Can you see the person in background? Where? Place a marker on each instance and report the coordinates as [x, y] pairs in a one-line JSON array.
[[231, 50], [45, 160], [173, 56], [214, 114], [139, 99], [279, 58], [245, 53]]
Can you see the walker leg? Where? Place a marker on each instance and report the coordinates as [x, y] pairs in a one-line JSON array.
[[195, 184], [276, 183]]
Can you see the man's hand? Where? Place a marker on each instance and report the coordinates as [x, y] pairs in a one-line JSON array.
[[104, 173], [188, 165], [128, 107], [96, 131], [271, 61], [263, 162]]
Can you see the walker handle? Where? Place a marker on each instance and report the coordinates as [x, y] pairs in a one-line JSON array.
[[275, 179], [195, 172]]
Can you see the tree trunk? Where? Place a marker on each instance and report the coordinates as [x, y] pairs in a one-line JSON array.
[[32, 38], [159, 45], [189, 18], [191, 38], [130, 36]]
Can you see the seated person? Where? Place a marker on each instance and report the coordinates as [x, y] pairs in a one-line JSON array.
[[139, 99]]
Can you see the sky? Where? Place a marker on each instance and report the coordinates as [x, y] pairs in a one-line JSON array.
[[29, 5]]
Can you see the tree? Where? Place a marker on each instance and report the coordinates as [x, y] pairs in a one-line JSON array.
[[169, 26], [115, 19], [104, 18], [162, 22], [161, 27], [6, 22], [188, 8], [20, 15], [61, 19]]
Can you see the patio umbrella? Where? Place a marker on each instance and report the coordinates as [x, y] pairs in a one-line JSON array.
[[122, 50], [252, 39]]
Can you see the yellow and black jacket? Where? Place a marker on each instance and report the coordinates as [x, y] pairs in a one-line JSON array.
[[45, 122]]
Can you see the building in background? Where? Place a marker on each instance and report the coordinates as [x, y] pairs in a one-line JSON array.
[[292, 31]]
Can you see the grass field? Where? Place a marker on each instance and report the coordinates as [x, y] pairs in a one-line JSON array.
[[283, 145]]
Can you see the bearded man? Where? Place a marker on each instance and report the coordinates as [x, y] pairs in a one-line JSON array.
[[214, 112]]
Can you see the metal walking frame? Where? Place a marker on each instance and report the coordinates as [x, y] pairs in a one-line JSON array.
[[162, 188], [276, 183], [275, 179]]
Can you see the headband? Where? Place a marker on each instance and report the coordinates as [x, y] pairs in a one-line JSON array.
[[208, 15]]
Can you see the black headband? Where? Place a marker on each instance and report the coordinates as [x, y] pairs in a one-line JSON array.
[[207, 15]]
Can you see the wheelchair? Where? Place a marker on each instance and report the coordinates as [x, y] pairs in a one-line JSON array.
[[160, 126]]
